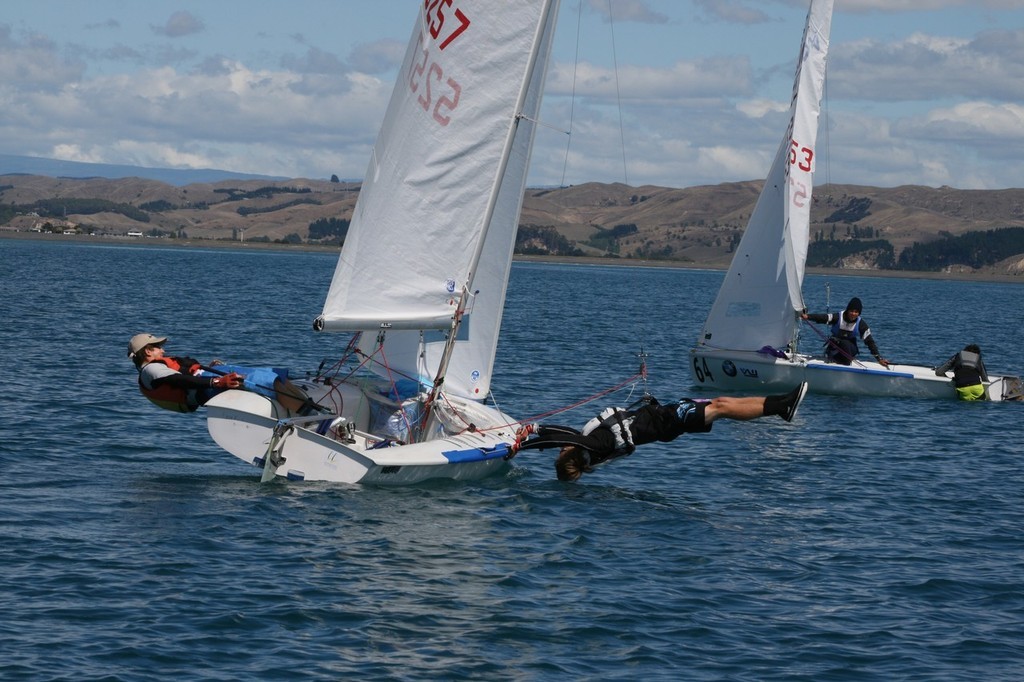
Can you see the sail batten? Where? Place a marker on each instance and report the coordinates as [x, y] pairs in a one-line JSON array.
[[356, 324]]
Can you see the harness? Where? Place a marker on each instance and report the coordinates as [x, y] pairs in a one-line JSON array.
[[169, 397], [617, 421]]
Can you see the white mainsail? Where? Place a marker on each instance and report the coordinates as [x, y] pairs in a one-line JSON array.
[[438, 211], [760, 296]]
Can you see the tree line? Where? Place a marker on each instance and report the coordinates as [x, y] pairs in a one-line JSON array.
[[58, 208], [976, 249]]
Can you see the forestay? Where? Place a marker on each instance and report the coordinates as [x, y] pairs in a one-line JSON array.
[[760, 295], [439, 208]]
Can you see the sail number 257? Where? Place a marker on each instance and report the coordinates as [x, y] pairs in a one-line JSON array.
[[436, 12], [437, 93]]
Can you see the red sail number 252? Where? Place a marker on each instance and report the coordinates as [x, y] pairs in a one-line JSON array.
[[429, 74]]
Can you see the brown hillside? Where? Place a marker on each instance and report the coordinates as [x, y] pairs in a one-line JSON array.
[[696, 225]]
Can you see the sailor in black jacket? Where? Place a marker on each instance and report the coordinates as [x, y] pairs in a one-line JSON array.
[[841, 347]]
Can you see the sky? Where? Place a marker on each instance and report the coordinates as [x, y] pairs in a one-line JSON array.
[[675, 93]]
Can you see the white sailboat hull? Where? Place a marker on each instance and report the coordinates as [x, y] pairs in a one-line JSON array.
[[244, 424], [753, 372]]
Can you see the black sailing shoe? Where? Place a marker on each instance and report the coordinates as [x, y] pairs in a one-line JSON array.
[[792, 401]]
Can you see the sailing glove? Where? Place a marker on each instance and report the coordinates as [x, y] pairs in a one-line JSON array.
[[233, 380]]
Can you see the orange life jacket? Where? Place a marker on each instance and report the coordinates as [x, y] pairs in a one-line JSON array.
[[169, 397]]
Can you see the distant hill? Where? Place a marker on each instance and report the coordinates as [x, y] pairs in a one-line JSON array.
[[55, 168], [698, 225], [703, 224]]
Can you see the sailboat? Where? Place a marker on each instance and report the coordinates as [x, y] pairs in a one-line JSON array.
[[421, 278], [749, 341]]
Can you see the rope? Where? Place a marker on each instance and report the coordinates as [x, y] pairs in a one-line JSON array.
[[642, 374], [528, 426], [469, 425], [394, 389], [364, 360]]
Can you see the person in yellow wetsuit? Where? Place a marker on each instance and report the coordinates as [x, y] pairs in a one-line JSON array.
[[969, 374]]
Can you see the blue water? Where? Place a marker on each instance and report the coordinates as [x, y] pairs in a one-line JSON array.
[[871, 539]]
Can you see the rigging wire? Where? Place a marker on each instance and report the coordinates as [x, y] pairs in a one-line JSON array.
[[640, 376], [572, 99], [618, 97]]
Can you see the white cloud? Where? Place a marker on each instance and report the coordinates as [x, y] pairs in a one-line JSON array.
[[628, 10], [923, 67], [977, 123], [34, 61], [758, 108], [180, 24], [922, 5], [714, 77], [253, 120], [733, 11], [735, 162], [902, 107], [377, 57]]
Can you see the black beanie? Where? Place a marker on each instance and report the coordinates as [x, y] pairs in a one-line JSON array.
[[854, 304]]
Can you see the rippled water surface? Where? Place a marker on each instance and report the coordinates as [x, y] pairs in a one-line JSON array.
[[871, 539]]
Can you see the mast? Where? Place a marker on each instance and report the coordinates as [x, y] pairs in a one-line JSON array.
[[548, 15]]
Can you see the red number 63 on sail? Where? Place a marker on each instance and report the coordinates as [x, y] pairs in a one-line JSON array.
[[801, 154]]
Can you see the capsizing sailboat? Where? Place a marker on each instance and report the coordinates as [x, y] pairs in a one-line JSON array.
[[422, 275], [749, 341]]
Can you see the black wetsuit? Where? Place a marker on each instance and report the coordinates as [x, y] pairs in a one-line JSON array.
[[616, 431]]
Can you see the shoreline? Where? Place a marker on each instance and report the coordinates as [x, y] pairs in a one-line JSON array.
[[150, 242]]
